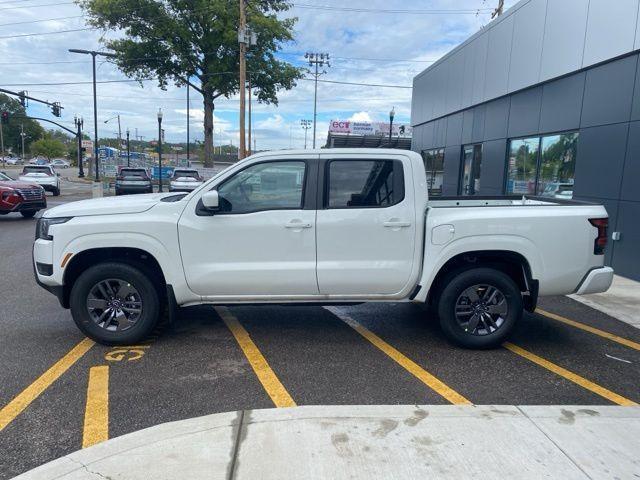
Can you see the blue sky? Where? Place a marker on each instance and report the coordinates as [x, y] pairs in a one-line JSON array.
[[367, 47]]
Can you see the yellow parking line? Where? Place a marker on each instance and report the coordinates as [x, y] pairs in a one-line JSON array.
[[265, 374], [596, 331], [572, 377], [405, 362], [96, 414], [10, 411]]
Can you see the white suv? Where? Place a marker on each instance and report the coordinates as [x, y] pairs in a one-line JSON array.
[[43, 175]]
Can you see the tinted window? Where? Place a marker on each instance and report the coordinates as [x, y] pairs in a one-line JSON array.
[[265, 186], [133, 173], [471, 164], [434, 168], [523, 166], [185, 173], [364, 183], [34, 169]]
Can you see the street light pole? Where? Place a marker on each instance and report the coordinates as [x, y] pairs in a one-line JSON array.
[[79, 122], [160, 150], [306, 125], [128, 150], [188, 122], [392, 114], [93, 54]]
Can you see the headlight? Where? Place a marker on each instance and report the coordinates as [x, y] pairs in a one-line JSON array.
[[43, 224]]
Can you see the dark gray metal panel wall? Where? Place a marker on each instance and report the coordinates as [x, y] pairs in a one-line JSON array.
[[492, 168], [626, 260], [479, 115], [451, 170], [454, 129], [631, 175], [562, 104], [524, 115], [601, 154], [608, 92], [496, 119]]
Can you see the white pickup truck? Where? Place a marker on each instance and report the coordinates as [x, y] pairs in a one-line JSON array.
[[318, 227]]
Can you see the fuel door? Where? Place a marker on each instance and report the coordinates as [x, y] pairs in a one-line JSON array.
[[442, 234]]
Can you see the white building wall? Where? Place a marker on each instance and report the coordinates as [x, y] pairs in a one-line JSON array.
[[534, 41]]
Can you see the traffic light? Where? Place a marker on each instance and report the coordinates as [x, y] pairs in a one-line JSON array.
[[5, 117], [55, 109]]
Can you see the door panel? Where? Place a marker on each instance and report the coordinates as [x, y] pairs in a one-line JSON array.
[[267, 248], [366, 232]]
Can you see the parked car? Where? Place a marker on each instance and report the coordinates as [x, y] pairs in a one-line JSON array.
[[185, 180], [38, 161], [12, 161], [59, 163], [43, 175], [26, 198], [323, 226], [133, 180]]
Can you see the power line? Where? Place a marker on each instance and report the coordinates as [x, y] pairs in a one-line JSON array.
[[359, 84], [40, 21], [332, 8], [35, 6], [45, 63], [45, 33]]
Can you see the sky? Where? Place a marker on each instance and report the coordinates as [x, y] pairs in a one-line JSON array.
[[386, 47]]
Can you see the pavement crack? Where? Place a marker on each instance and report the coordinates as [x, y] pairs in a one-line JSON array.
[[88, 470], [241, 433]]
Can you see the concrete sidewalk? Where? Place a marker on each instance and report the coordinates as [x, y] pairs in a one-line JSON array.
[[621, 301], [364, 442]]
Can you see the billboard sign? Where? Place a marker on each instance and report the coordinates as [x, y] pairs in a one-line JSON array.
[[366, 128]]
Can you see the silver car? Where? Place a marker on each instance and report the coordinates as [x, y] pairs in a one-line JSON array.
[[185, 180]]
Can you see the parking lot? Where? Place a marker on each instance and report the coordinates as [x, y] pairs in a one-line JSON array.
[[60, 392]]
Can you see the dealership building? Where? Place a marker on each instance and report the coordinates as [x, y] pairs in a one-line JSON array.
[[545, 100]]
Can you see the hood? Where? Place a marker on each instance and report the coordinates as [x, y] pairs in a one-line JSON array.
[[17, 184], [107, 205]]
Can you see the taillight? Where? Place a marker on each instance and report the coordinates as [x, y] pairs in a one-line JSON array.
[[601, 240]]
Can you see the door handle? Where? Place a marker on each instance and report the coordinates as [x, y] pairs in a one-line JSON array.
[[297, 225], [393, 224]]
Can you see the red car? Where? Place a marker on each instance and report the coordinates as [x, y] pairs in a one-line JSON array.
[[26, 198]]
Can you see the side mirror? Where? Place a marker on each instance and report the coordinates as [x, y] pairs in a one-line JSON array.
[[211, 201]]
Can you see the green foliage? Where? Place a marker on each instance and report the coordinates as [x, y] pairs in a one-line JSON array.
[[11, 132], [195, 42], [48, 147]]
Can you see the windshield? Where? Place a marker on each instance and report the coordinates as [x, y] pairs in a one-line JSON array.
[[36, 169], [186, 173], [135, 174], [5, 177]]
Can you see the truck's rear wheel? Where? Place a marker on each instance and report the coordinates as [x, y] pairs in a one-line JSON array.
[[478, 308], [115, 304]]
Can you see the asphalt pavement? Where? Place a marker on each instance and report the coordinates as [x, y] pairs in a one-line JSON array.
[[52, 401]]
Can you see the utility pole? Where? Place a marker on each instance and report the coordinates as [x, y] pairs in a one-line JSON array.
[[160, 150], [306, 125], [22, 135], [93, 54], [499, 9], [317, 60], [79, 123], [243, 73], [128, 150], [249, 140], [188, 121]]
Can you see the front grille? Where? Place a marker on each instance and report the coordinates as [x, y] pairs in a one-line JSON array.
[[30, 193]]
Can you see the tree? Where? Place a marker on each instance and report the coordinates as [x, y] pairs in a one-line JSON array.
[[11, 132], [48, 147], [195, 42]]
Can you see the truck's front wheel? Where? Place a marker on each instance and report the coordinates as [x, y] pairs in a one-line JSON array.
[[115, 304], [478, 308]]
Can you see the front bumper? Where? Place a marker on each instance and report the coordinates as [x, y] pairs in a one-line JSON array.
[[42, 253], [597, 280]]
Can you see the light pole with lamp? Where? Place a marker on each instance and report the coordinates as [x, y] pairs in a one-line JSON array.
[[392, 114], [79, 122], [159, 150], [119, 129]]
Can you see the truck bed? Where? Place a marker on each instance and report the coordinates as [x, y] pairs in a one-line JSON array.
[[501, 201]]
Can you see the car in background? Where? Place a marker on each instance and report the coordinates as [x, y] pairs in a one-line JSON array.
[[185, 180], [12, 161], [25, 198], [133, 180], [60, 163], [38, 161], [43, 175]]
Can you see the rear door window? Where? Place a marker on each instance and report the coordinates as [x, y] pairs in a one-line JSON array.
[[364, 183]]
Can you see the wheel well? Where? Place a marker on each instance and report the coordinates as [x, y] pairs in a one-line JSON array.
[[511, 263], [133, 256]]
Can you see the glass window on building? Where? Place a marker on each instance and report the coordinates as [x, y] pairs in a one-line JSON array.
[[471, 163], [523, 166], [434, 167], [558, 165], [543, 166]]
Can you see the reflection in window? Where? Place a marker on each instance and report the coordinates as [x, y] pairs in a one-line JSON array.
[[363, 183], [523, 166], [543, 165], [434, 167], [264, 186], [471, 162], [558, 165]]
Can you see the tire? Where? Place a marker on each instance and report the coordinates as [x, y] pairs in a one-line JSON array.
[[126, 328], [472, 291], [56, 192], [28, 213]]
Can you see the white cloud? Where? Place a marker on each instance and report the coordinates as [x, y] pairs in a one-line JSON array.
[[360, 117]]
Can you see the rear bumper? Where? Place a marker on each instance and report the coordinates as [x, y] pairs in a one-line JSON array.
[[123, 189], [597, 280]]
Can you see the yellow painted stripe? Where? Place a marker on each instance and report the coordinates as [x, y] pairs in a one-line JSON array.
[[10, 411], [572, 377], [96, 414], [596, 331], [266, 375], [405, 362]]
